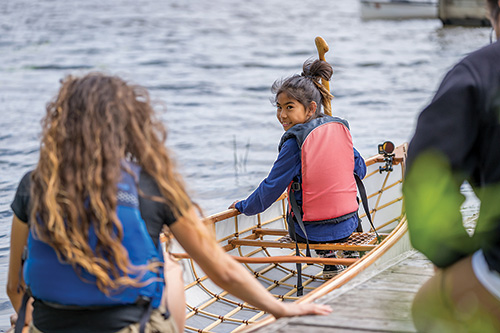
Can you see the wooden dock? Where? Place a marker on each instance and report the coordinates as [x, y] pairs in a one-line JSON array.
[[377, 303], [463, 12]]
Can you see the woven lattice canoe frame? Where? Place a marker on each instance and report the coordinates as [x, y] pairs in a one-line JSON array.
[[256, 245]]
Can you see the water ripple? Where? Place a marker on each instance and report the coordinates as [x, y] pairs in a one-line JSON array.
[[57, 67]]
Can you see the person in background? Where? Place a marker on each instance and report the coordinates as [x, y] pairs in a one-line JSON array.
[[316, 162], [457, 139], [91, 213]]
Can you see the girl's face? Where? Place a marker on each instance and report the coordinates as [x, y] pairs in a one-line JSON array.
[[291, 112]]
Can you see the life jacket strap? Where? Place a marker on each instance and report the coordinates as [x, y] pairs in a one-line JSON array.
[[145, 318], [298, 215], [24, 256], [364, 199], [21, 315], [360, 226], [291, 228]]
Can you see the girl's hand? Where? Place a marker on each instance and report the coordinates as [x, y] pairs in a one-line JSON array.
[[301, 309], [233, 205]]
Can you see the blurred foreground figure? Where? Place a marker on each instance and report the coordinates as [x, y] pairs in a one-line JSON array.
[[457, 139]]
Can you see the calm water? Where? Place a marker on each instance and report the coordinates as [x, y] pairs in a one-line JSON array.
[[212, 63]]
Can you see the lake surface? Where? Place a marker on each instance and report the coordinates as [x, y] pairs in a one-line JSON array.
[[211, 64]]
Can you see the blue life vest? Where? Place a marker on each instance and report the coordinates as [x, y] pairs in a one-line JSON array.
[[57, 282]]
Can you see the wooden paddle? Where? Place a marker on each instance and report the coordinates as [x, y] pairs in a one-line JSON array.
[[322, 47]]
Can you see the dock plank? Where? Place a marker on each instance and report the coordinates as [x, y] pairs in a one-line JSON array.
[[376, 295], [302, 329], [357, 323], [382, 303]]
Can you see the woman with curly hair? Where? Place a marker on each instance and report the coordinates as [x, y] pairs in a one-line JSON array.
[[90, 215]]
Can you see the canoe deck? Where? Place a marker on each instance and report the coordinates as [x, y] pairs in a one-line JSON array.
[[380, 303]]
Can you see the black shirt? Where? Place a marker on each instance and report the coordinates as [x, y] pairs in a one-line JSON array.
[[462, 125]]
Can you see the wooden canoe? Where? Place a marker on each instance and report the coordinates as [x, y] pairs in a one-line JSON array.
[[257, 242]]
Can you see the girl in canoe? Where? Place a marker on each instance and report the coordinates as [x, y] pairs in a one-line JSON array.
[[317, 163], [91, 213]]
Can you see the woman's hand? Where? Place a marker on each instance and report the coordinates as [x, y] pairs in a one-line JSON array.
[[301, 309]]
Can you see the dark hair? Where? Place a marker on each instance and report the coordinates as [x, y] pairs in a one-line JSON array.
[[494, 10], [306, 87]]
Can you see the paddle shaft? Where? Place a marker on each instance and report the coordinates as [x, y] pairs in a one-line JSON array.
[[322, 47]]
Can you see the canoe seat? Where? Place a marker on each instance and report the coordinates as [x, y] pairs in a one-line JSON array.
[[358, 241]]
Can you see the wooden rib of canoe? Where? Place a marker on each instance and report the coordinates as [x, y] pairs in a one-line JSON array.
[[260, 244]]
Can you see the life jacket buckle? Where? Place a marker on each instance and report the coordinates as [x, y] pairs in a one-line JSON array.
[[24, 255], [296, 186], [143, 300]]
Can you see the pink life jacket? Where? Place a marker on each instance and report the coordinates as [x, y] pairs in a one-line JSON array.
[[328, 184]]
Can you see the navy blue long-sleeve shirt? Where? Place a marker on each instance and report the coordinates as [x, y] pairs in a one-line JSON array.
[[457, 139], [287, 167]]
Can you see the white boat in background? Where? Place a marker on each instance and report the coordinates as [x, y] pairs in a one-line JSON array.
[[399, 9]]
